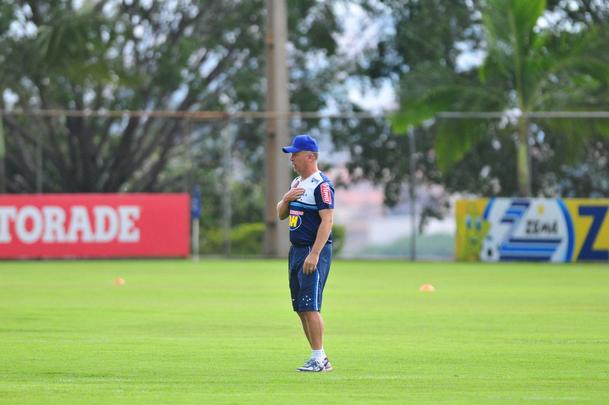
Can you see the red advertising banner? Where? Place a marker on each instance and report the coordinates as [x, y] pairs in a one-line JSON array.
[[94, 225]]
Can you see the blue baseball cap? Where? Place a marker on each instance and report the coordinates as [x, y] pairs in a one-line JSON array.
[[301, 143]]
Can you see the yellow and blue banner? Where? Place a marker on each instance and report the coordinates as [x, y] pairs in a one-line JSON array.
[[536, 229]]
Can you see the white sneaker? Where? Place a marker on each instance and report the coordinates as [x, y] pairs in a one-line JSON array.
[[313, 365]]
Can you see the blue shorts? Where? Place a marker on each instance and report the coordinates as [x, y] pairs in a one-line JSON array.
[[306, 290]]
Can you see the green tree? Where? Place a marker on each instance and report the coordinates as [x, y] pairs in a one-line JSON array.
[[145, 56], [416, 36], [526, 69]]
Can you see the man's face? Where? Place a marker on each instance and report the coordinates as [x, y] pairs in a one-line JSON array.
[[300, 160]]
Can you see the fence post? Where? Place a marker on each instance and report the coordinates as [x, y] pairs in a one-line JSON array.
[[412, 194], [2, 157], [195, 199], [226, 195], [39, 163], [195, 214]]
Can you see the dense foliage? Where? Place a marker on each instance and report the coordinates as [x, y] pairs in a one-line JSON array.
[[208, 55]]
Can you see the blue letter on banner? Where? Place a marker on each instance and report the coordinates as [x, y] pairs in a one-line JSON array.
[[598, 214]]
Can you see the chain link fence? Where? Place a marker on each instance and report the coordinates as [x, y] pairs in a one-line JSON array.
[[395, 193]]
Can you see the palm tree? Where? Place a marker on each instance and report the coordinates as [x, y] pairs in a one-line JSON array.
[[525, 70]]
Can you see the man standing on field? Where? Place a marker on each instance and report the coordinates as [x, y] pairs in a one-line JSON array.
[[310, 207]]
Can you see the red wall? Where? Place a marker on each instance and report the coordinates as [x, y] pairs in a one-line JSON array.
[[94, 225]]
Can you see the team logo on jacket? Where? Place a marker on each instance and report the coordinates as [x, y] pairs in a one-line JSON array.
[[326, 194], [294, 220]]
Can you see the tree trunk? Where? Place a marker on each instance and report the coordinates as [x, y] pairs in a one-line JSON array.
[[523, 167]]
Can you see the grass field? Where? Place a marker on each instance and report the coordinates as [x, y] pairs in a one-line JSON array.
[[223, 332]]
